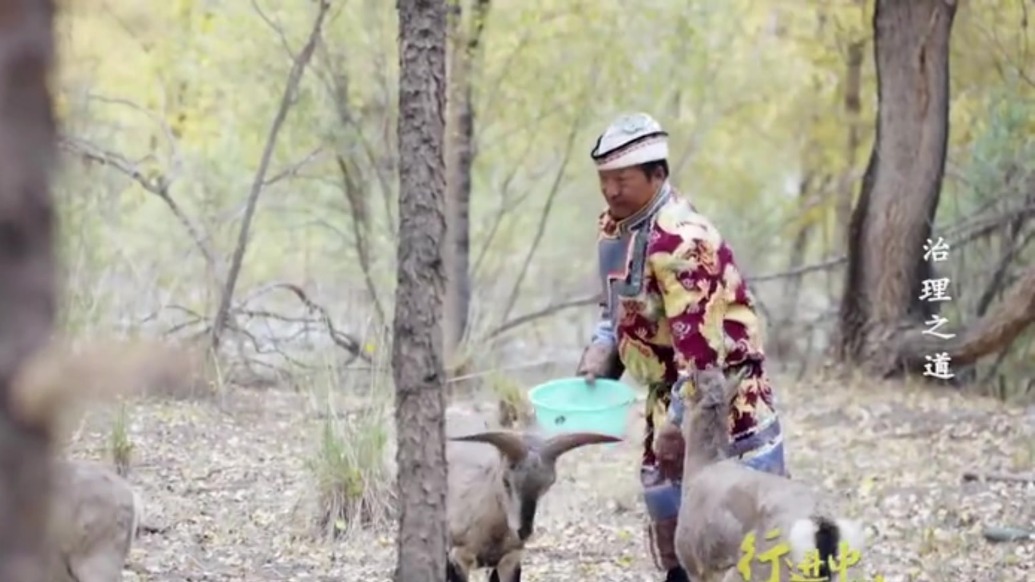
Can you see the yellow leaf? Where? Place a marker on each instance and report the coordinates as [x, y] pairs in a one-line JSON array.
[[867, 485]]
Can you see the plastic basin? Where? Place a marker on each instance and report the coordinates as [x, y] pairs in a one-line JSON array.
[[572, 405]]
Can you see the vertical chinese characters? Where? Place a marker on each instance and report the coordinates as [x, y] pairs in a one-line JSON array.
[[939, 365]]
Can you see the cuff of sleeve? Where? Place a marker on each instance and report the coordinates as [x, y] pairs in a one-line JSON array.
[[676, 406], [605, 334]]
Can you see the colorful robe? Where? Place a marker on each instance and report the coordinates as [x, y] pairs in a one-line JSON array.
[[675, 302]]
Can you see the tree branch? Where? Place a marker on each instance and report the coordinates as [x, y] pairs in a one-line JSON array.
[[1016, 243], [544, 312], [345, 341], [594, 299], [336, 84], [543, 218], [360, 234], [159, 185], [293, 169], [291, 88], [504, 209]]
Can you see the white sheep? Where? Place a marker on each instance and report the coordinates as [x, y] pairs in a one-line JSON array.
[[493, 495], [724, 501], [94, 519]]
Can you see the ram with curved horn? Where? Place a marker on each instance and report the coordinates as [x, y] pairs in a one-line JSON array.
[[493, 495]]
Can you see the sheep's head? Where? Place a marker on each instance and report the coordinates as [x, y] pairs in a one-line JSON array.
[[530, 467], [712, 388]]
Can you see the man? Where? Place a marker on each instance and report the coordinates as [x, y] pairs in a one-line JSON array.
[[673, 302]]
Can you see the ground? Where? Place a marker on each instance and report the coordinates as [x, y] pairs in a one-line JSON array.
[[223, 483]]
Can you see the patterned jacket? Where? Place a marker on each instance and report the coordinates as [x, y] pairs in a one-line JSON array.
[[675, 301]]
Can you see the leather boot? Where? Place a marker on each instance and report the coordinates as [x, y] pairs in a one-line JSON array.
[[677, 575], [668, 449]]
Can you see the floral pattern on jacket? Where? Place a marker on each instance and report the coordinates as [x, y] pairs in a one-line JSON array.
[[690, 310]]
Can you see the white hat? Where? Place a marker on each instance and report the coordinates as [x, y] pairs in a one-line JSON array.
[[632, 139]]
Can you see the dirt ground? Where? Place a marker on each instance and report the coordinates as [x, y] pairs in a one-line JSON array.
[[222, 484]]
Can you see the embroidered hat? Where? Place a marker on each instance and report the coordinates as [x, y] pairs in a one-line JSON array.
[[632, 139]]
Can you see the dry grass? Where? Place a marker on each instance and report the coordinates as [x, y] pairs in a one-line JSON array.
[[354, 484], [234, 492], [515, 410], [121, 446]]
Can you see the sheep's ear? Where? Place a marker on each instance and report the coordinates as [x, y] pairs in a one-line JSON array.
[[562, 443], [710, 387], [508, 443], [733, 383], [714, 388]]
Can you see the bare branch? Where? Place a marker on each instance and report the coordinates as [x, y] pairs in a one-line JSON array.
[[547, 311], [274, 26], [345, 341], [360, 234], [506, 205], [159, 185], [1015, 245], [336, 84], [1025, 478], [294, 168], [544, 216], [175, 157], [291, 88], [594, 299]]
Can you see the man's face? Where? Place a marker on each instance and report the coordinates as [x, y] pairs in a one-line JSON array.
[[626, 190]]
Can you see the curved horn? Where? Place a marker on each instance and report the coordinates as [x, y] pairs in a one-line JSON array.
[[563, 443], [508, 443]]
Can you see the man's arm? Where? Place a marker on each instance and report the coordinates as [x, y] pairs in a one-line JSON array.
[[688, 269], [601, 358], [604, 331]]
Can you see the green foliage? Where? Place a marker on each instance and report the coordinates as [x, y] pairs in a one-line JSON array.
[[752, 93]]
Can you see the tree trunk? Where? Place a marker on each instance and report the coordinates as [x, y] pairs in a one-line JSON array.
[[460, 152], [783, 342], [27, 273], [903, 180], [853, 112], [417, 343]]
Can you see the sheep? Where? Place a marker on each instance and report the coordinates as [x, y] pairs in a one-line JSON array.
[[93, 514], [724, 501], [493, 496], [94, 519]]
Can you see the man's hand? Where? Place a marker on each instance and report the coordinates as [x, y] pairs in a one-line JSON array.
[[590, 378], [668, 450]]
